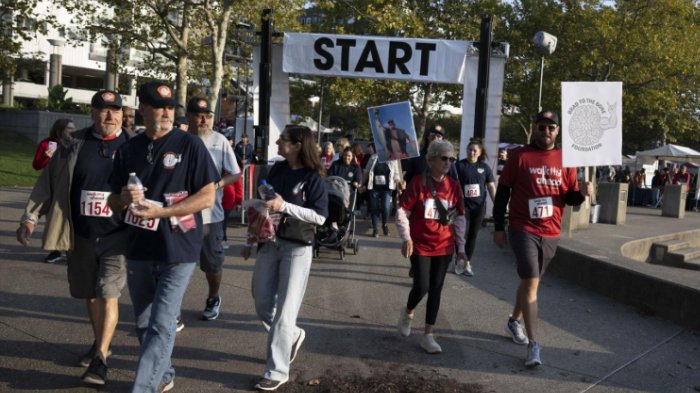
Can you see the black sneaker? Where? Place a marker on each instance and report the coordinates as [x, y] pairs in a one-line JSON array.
[[211, 311], [385, 228], [86, 359], [268, 384], [375, 233], [53, 257], [96, 373], [179, 324]]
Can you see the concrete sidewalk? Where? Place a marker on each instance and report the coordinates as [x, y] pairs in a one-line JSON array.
[[590, 342]]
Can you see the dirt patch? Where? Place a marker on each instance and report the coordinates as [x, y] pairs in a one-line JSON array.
[[381, 383]]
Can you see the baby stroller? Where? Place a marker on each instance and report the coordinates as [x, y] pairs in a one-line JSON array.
[[338, 232]]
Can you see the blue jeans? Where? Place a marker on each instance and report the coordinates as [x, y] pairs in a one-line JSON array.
[[279, 283], [380, 203], [156, 290]]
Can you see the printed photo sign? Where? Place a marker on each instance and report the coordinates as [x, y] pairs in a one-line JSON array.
[[393, 131]]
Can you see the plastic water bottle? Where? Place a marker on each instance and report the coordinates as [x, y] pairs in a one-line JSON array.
[[266, 191], [136, 183]]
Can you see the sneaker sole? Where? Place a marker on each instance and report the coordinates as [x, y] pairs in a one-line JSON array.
[[297, 345], [168, 386], [532, 364], [258, 387], [93, 379], [210, 318], [180, 328]]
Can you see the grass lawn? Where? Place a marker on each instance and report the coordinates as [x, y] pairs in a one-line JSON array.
[[16, 155]]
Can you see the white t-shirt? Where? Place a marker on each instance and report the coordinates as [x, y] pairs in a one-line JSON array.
[[224, 161]]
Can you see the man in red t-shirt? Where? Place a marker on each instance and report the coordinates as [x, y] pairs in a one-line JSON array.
[[538, 188]]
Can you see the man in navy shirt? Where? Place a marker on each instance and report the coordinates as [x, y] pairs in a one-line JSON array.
[[164, 224], [72, 192]]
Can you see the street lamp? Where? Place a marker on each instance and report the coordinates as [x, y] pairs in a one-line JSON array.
[[319, 100], [545, 44]]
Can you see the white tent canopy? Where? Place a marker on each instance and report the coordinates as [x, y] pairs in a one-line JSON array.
[[670, 153]]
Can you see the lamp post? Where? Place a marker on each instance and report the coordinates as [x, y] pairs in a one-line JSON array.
[[545, 44], [319, 100]]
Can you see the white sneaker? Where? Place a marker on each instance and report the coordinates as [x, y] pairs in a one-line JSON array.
[[405, 320], [429, 344], [515, 330], [468, 269], [225, 245], [533, 355]]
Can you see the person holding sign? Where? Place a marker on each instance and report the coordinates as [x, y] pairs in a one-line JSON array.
[[475, 177], [72, 192], [430, 220], [165, 226], [538, 188]]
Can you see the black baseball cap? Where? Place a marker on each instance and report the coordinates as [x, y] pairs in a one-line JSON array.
[[106, 99], [547, 115], [198, 105], [436, 131], [157, 95]]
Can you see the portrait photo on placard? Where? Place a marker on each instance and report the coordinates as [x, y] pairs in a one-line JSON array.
[[393, 131]]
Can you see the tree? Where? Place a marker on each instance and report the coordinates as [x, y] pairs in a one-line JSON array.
[[21, 22]]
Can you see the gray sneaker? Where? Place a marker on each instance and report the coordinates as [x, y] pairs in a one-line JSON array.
[[211, 311], [297, 345], [515, 329], [533, 355], [405, 320]]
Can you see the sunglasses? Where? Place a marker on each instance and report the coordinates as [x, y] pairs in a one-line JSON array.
[[149, 153], [450, 159], [550, 128]]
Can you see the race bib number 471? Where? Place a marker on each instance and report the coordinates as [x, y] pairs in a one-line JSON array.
[[149, 224], [94, 204], [541, 207]]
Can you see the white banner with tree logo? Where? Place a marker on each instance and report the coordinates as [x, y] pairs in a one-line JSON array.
[[591, 123]]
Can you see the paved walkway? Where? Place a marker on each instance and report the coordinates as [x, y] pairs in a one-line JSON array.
[[590, 343]]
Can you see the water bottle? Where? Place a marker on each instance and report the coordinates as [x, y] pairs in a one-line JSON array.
[[136, 183], [266, 191]]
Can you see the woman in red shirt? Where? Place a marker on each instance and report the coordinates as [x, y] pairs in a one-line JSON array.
[[428, 241], [327, 155], [61, 128]]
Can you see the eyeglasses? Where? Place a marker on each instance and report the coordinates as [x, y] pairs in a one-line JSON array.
[[550, 127], [104, 150], [450, 159], [149, 153]]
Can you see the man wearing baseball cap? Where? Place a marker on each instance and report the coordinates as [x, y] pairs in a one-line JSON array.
[[211, 257], [72, 192], [538, 188], [164, 226]]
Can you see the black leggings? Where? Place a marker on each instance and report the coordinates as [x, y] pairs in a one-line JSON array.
[[428, 277], [475, 218]]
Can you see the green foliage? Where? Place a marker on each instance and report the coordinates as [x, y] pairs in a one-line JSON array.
[[57, 101], [16, 155]]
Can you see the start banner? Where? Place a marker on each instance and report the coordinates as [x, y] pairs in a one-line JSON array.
[[413, 59]]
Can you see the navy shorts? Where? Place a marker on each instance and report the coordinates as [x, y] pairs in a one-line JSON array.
[[532, 253]]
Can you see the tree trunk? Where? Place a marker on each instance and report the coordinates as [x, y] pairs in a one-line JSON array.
[[422, 118], [181, 81]]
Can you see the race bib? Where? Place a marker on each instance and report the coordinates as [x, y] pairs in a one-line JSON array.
[[94, 204], [541, 207], [380, 180], [430, 212], [472, 191], [149, 224]]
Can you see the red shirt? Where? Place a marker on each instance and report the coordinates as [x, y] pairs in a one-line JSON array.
[[682, 178], [430, 238], [538, 188]]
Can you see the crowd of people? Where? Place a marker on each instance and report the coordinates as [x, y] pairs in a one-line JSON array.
[[162, 210], [646, 191]]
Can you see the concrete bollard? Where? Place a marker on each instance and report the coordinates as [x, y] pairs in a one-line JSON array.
[[674, 201], [612, 198]]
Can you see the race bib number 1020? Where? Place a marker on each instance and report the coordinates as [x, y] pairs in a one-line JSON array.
[[149, 224]]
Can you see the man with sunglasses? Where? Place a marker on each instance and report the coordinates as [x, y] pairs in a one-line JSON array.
[[72, 192], [164, 226], [538, 188]]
